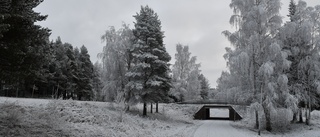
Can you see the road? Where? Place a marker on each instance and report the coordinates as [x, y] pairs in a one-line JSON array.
[[220, 128]]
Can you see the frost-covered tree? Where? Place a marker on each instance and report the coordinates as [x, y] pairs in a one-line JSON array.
[[116, 60], [309, 66], [299, 37], [149, 79], [185, 75], [205, 87], [193, 82], [97, 84], [237, 81], [257, 24]]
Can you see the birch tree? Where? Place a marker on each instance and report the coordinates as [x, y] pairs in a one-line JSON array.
[[300, 37], [205, 87], [257, 23], [116, 60], [185, 75]]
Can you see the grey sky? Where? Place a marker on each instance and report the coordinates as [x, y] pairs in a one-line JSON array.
[[197, 23]]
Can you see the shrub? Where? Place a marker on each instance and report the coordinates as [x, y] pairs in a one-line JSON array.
[[281, 119], [11, 114], [11, 117]]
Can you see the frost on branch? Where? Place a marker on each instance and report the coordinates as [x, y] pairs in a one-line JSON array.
[[266, 69]]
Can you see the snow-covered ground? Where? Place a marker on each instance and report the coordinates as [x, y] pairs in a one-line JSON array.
[[220, 128], [219, 112], [45, 117]]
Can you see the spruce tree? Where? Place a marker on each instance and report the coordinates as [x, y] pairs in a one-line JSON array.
[[149, 76], [85, 76], [292, 10]]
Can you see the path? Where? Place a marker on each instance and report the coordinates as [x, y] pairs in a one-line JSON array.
[[220, 128]]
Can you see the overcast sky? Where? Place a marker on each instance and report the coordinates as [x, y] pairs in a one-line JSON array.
[[196, 23]]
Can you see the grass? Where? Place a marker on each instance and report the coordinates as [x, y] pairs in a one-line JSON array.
[[75, 118]]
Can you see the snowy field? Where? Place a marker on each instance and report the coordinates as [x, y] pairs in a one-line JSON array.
[[50, 118], [42, 117]]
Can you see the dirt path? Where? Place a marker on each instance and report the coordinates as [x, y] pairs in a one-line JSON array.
[[220, 128]]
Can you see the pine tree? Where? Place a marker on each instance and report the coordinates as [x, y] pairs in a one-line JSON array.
[[149, 79], [4, 14], [58, 68], [85, 75], [72, 71], [22, 50]]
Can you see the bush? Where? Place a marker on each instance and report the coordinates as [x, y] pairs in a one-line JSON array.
[[11, 117], [281, 119]]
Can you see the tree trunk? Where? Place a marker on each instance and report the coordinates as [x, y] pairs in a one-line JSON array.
[[128, 108], [53, 92], [294, 117], [157, 107], [151, 109], [257, 119], [309, 113], [17, 91], [268, 119], [57, 92], [300, 115], [144, 109], [64, 96], [306, 115], [33, 90], [309, 110]]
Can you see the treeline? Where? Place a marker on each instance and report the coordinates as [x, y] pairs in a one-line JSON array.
[[70, 72], [31, 65], [273, 65]]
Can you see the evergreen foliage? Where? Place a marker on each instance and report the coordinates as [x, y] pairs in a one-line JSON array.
[[292, 10], [23, 45], [149, 79], [18, 53]]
